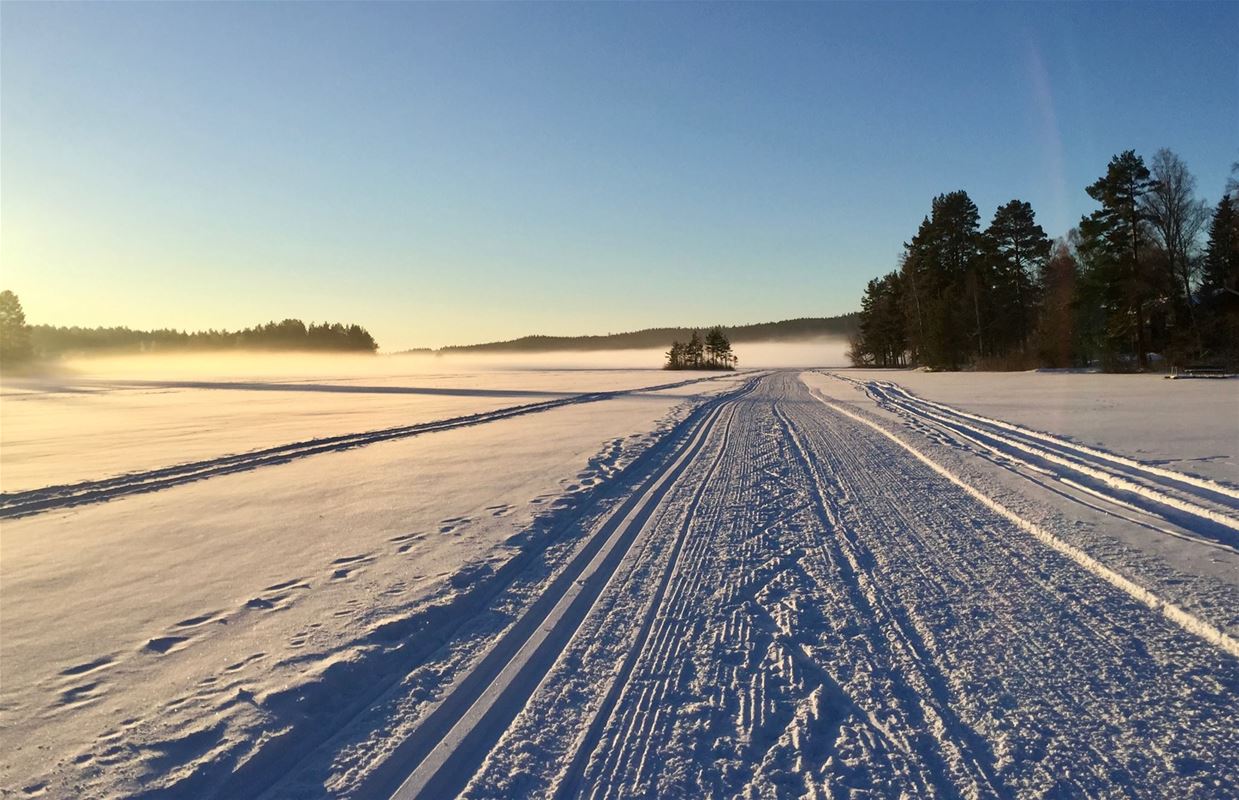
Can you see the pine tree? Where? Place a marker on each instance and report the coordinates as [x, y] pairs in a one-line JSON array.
[[1116, 246], [675, 356], [14, 333], [714, 347], [694, 351], [945, 273], [1018, 249], [728, 359]]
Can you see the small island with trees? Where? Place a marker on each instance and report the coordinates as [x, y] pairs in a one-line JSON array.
[[713, 352]]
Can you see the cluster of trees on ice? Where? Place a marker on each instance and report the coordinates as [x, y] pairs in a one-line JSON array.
[[1152, 274], [713, 352], [21, 342]]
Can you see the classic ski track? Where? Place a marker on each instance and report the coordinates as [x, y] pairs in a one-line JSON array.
[[1048, 480], [48, 498], [868, 621], [1122, 488], [676, 568], [1184, 619], [456, 737], [1116, 482], [640, 717], [1065, 444]]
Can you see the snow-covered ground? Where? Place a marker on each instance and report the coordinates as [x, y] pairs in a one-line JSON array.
[[762, 584], [1189, 425], [117, 416]]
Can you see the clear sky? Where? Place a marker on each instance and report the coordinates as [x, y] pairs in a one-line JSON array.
[[447, 173]]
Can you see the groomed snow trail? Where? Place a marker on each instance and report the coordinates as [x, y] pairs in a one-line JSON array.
[[798, 605]]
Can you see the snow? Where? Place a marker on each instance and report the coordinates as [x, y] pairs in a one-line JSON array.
[[248, 585], [1191, 426], [824, 583], [81, 426]]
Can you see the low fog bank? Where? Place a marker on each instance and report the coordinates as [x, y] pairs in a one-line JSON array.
[[234, 365], [818, 352]]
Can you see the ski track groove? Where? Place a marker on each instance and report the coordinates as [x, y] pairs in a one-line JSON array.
[[451, 757], [678, 574]]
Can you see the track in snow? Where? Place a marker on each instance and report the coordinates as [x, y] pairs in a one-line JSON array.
[[1198, 509], [34, 501], [796, 605]]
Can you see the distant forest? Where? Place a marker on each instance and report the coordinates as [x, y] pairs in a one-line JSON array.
[[1148, 279], [24, 342], [787, 330]]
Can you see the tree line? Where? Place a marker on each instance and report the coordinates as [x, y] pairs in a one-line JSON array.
[[1151, 275], [20, 341], [785, 330], [712, 352]]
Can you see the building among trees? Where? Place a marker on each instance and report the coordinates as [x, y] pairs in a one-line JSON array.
[[713, 352]]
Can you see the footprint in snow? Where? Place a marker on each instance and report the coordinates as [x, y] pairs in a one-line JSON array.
[[294, 583], [89, 666], [351, 559], [76, 696], [453, 524], [166, 644], [202, 619], [244, 662]]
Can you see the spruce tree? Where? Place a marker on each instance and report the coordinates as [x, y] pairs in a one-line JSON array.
[[1219, 288], [945, 274]]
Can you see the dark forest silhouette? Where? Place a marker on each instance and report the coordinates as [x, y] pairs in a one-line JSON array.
[[20, 342], [1152, 274]]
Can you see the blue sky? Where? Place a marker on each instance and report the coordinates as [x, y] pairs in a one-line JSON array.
[[446, 173]]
